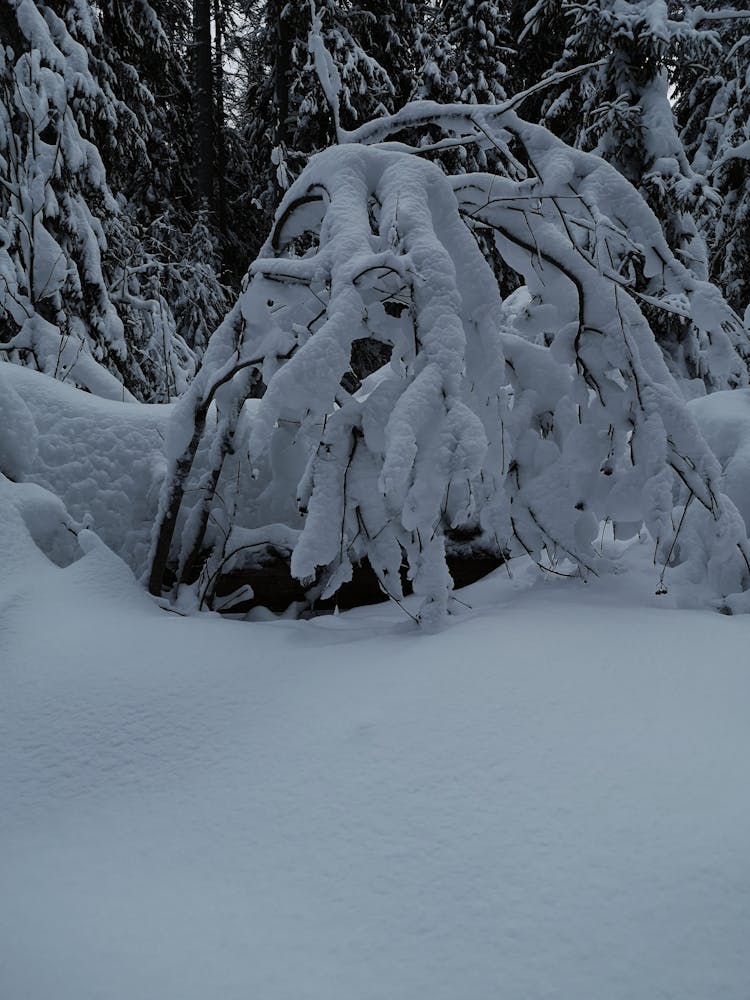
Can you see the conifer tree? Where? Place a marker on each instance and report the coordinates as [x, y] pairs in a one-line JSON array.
[[204, 114], [713, 110], [388, 33], [168, 252], [479, 31], [170, 245], [622, 109], [55, 204], [539, 31], [288, 115], [83, 289], [147, 150], [437, 79]]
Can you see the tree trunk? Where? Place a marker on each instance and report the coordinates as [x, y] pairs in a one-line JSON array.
[[219, 77], [204, 104], [282, 60]]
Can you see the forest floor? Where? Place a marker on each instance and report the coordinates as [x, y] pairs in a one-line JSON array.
[[548, 798]]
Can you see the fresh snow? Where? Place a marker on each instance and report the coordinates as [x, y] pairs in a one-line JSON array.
[[520, 440], [542, 793], [724, 421], [104, 459], [547, 798]]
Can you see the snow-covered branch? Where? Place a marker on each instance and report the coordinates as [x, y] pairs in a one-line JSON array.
[[523, 432]]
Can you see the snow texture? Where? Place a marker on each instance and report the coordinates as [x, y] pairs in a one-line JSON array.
[[724, 420], [104, 460], [526, 439], [549, 799], [80, 295]]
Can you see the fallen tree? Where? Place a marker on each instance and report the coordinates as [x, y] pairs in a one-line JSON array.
[[494, 428]]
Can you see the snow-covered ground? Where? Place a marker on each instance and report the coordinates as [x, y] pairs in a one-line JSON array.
[[548, 798]]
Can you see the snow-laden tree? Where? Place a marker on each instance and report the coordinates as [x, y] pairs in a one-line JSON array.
[[75, 294], [713, 110], [146, 145], [98, 159], [436, 79], [54, 201], [288, 115], [622, 109], [539, 31], [465, 52], [168, 251], [517, 430], [480, 31], [388, 31]]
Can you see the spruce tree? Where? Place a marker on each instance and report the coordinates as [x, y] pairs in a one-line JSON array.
[[622, 109], [288, 116], [170, 252], [480, 33], [436, 79], [713, 111], [148, 152], [86, 281], [55, 204], [539, 31], [388, 31]]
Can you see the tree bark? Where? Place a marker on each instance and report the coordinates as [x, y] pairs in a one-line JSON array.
[[205, 124], [219, 115]]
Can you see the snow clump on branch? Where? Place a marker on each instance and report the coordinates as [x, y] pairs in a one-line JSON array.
[[525, 439]]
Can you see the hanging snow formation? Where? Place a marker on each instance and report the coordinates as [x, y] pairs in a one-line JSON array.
[[520, 431]]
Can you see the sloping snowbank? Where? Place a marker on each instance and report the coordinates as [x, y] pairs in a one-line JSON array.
[[550, 798], [724, 421], [102, 458]]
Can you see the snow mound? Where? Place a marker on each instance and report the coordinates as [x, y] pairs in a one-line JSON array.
[[103, 459], [724, 421], [548, 799]]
